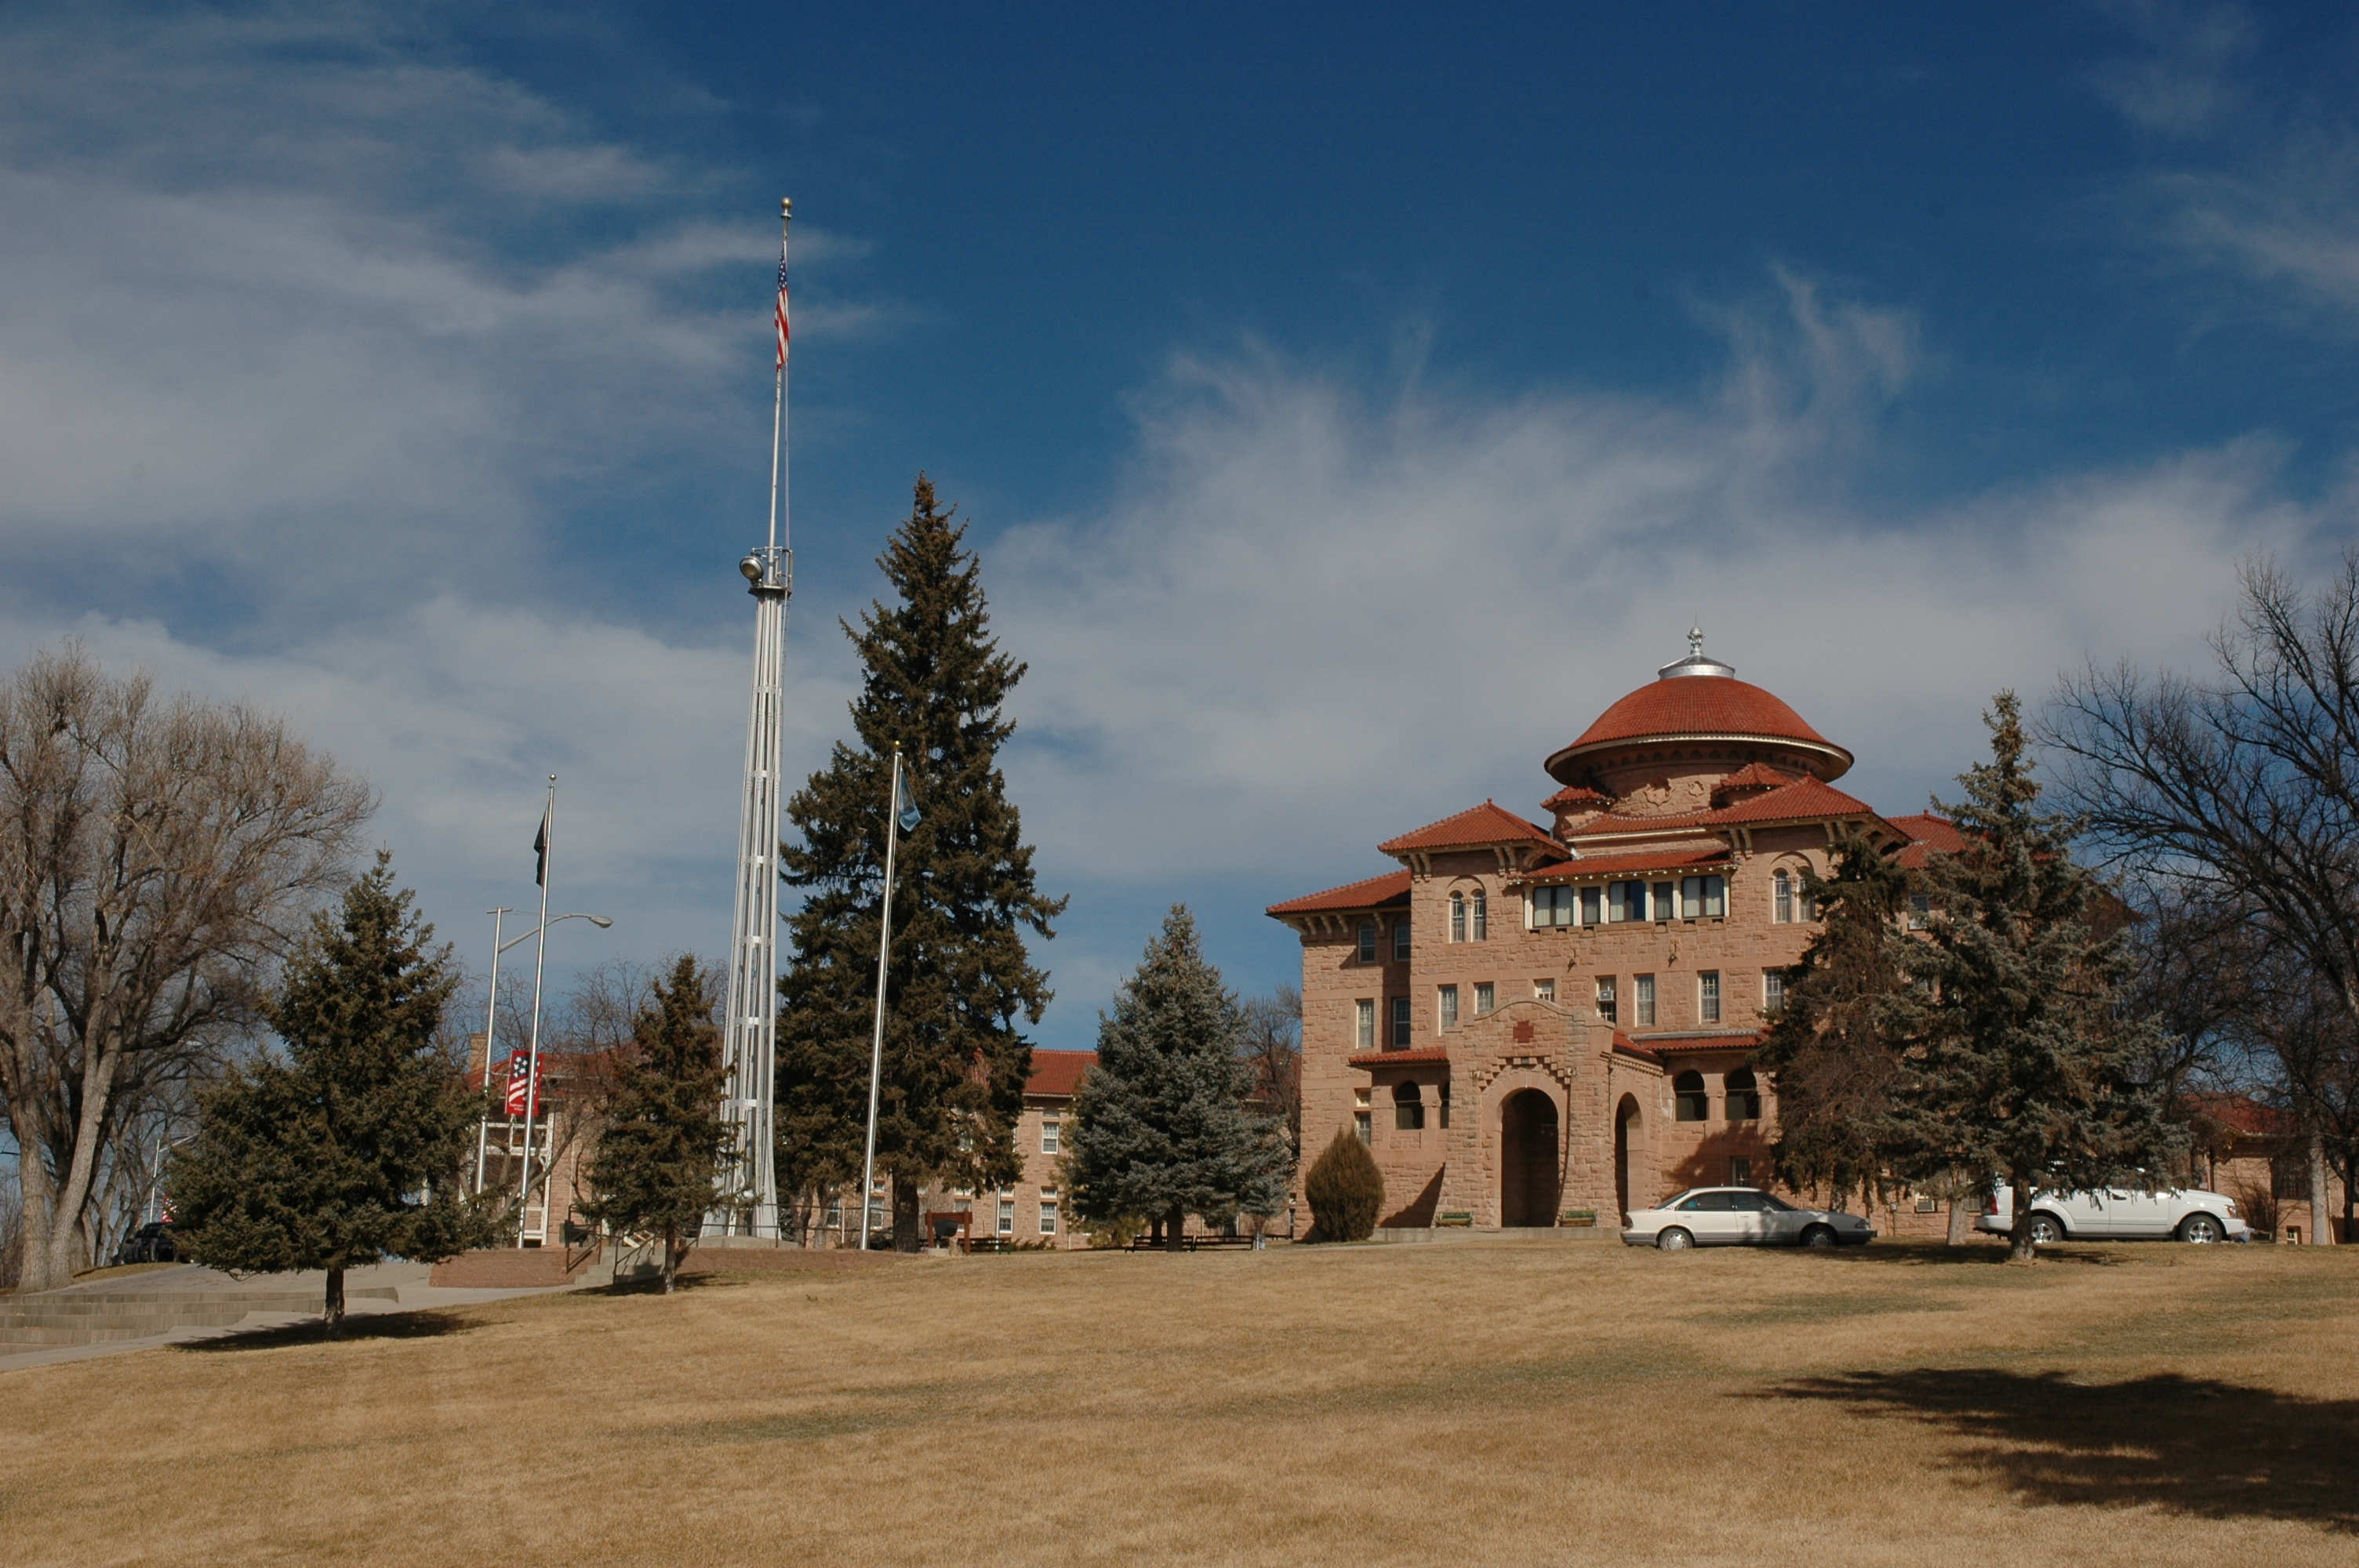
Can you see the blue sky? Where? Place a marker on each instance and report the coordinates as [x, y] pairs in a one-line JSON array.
[[1349, 403]]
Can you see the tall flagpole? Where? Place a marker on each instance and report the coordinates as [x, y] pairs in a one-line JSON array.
[[750, 1043], [883, 947], [532, 1057]]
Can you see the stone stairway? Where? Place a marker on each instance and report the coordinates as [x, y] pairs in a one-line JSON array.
[[85, 1316]]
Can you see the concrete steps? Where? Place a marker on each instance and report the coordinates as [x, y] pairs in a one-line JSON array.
[[513, 1268], [100, 1317]]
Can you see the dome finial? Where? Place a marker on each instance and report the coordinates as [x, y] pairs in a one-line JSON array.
[[1695, 664], [1695, 642]]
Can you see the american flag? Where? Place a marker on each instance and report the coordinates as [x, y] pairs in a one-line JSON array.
[[781, 313], [519, 1081]]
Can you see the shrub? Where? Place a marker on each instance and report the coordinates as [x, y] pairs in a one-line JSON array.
[[1346, 1190], [2257, 1202]]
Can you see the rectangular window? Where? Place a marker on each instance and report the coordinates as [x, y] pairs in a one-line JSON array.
[[1606, 1002], [1485, 998], [1593, 905], [1367, 941], [1626, 900], [1400, 940], [1048, 1137], [1361, 1124], [1543, 990], [1773, 990], [1363, 1034], [1920, 909], [1554, 906], [1482, 915], [1645, 984], [1007, 1217], [1667, 896], [1781, 898], [1445, 1104], [1048, 1220], [1708, 996], [1448, 999], [1928, 1205], [1740, 1172], [1401, 1023]]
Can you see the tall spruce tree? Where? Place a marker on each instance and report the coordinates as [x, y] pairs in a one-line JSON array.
[[1830, 1063], [659, 1160], [349, 1151], [2017, 1056], [1164, 1127], [955, 1062]]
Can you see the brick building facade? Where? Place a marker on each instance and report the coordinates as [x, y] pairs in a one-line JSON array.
[[1540, 1025]]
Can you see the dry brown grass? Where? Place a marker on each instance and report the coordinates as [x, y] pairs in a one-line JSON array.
[[1483, 1403]]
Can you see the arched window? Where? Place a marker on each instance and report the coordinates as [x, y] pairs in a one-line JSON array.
[[1458, 917], [1689, 1097], [1408, 1107], [1782, 898], [1744, 1096]]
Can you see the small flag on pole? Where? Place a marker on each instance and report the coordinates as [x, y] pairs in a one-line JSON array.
[[904, 808], [540, 853], [519, 1081], [781, 313]]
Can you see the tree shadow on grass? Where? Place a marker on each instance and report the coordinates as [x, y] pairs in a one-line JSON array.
[[2185, 1444], [372, 1326]]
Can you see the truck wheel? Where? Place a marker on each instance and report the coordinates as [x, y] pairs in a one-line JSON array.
[[2201, 1228], [2046, 1230], [1673, 1239]]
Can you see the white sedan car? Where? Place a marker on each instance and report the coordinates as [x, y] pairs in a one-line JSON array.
[[1731, 1216], [2121, 1213]]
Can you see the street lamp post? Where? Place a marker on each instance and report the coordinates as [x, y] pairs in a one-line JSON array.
[[492, 1015]]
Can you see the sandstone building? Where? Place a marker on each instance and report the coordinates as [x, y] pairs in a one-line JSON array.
[[1534, 1025]]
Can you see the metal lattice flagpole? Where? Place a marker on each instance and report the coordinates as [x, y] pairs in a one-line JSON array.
[[750, 1041]]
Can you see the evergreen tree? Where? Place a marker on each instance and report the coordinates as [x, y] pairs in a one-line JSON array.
[[959, 977], [349, 1151], [658, 1164], [1832, 1065], [1165, 1129], [1346, 1190], [2016, 1057]]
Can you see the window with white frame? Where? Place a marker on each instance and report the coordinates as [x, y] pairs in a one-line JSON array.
[[1400, 940], [1485, 998], [1708, 996], [1458, 917], [1048, 1220], [1773, 991], [1625, 902], [1363, 1124], [1554, 906], [1544, 990], [1781, 898], [1364, 1034], [1593, 905], [1448, 1010], [1007, 1217], [1367, 941], [1702, 898], [1608, 1001], [1667, 900], [1643, 985], [1049, 1137], [1482, 902]]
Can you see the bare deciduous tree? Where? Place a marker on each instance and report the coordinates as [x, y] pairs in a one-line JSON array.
[[2242, 787], [156, 856], [1273, 1043]]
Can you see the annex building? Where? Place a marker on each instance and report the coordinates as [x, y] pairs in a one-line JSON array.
[[1534, 1024]]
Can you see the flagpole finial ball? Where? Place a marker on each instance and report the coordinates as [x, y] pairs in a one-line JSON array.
[[786, 206]]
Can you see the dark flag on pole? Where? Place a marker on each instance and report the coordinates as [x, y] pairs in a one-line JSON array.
[[905, 806], [540, 853]]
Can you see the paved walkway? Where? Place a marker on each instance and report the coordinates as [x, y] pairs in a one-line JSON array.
[[408, 1280]]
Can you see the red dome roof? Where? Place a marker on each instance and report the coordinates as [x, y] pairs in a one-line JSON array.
[[1701, 706]]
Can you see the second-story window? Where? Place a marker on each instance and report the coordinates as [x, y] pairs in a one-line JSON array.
[[1781, 898], [1920, 911], [1365, 1035], [1408, 1109], [1702, 897], [1458, 917], [1554, 906], [1607, 1006], [1401, 1023], [1773, 992], [1400, 940], [1485, 998], [1048, 1130], [1367, 941], [1708, 996], [1482, 902], [1646, 1000], [1544, 990], [1449, 998]]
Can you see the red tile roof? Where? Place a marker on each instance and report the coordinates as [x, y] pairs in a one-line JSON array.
[[1573, 796], [1755, 773], [1676, 858], [1670, 1044], [2241, 1114], [1476, 828], [1424, 1055], [1377, 893], [1804, 800], [1928, 836], [1699, 705], [1059, 1072]]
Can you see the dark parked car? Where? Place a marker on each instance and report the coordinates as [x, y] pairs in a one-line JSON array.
[[152, 1243]]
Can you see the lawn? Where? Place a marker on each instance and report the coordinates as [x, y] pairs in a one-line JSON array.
[[1479, 1402]]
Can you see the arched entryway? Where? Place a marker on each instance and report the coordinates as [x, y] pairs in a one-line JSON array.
[[1627, 1129], [1527, 1159]]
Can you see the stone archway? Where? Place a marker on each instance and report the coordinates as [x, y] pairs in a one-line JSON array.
[[1529, 1161], [1629, 1127]]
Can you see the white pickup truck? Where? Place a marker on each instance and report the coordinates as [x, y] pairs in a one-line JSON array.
[[2121, 1213]]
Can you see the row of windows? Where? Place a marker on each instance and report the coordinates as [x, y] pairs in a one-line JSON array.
[[1741, 1092], [1606, 903], [1007, 1217], [1609, 1005], [1368, 934]]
